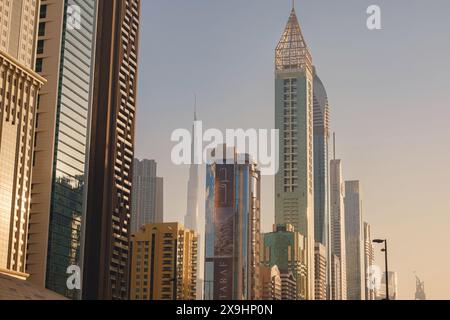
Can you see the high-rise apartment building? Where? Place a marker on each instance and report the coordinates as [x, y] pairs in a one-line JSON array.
[[19, 89], [107, 224], [294, 182], [148, 194], [65, 57], [287, 249], [270, 283], [320, 272], [369, 258], [163, 263], [354, 241], [337, 235], [232, 244]]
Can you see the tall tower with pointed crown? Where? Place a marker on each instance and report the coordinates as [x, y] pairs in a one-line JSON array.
[[294, 183]]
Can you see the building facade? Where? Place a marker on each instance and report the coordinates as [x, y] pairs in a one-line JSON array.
[[337, 235], [335, 279], [107, 225], [320, 272], [369, 259], [294, 182], [163, 263], [321, 176], [321, 162], [19, 89], [191, 219], [232, 239], [354, 241], [65, 57], [287, 249], [270, 283], [148, 194], [288, 286]]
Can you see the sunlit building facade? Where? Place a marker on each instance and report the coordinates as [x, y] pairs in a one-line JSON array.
[[337, 234], [320, 272], [163, 263], [270, 283], [232, 244], [354, 241], [287, 249], [65, 57], [107, 224], [294, 182], [19, 89], [369, 259]]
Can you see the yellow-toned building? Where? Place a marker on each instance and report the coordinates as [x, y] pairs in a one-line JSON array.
[[19, 87], [163, 263]]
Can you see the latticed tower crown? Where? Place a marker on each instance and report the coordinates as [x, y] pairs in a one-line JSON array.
[[292, 53]]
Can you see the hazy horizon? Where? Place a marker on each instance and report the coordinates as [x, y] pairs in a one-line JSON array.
[[389, 96]]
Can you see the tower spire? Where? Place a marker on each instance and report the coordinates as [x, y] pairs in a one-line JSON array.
[[195, 107], [293, 4]]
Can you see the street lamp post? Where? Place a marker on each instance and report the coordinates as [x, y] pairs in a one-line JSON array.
[[385, 250]]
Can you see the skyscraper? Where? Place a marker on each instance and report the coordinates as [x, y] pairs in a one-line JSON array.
[[65, 56], [148, 194], [232, 241], [369, 259], [354, 241], [287, 249], [294, 183], [337, 236], [321, 175], [321, 161], [107, 224], [191, 218], [19, 88], [163, 263], [192, 205]]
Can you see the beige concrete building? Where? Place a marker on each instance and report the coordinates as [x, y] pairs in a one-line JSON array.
[[19, 86], [320, 272], [163, 263], [270, 283]]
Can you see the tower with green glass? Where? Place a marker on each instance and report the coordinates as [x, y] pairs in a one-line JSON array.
[[294, 183]]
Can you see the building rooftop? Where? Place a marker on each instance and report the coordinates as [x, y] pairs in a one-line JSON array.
[[12, 288], [292, 53]]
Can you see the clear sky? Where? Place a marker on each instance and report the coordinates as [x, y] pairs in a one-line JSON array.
[[389, 92]]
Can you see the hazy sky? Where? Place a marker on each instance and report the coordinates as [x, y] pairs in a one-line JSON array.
[[389, 91]]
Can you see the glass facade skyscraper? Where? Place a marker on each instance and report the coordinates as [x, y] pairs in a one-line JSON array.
[[232, 231], [66, 58]]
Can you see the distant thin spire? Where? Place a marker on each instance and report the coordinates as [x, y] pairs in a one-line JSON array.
[[293, 4], [195, 107], [334, 145]]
